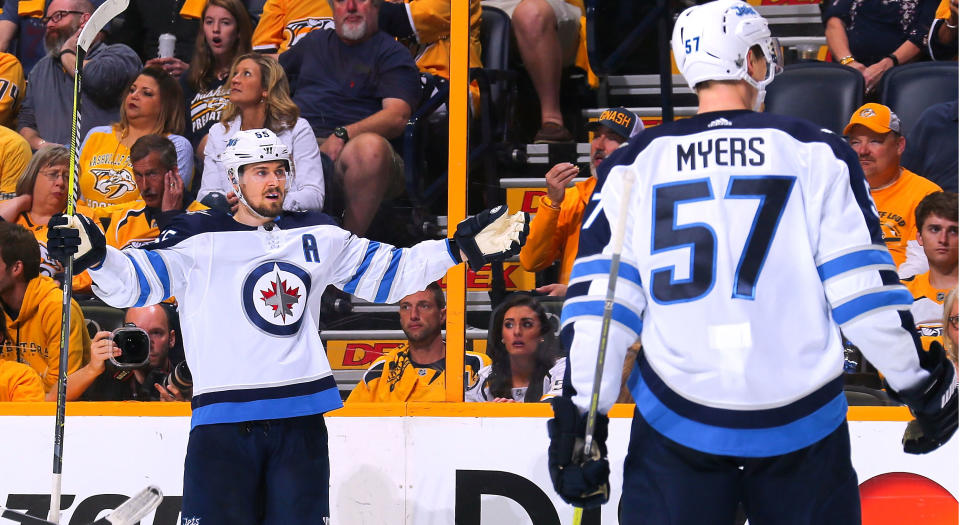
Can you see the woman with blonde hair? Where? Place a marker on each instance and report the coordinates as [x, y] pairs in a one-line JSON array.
[[152, 104], [260, 98], [950, 321]]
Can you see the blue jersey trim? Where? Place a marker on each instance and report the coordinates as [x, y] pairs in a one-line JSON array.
[[142, 281], [601, 267], [372, 248], [871, 301], [316, 403], [620, 313], [383, 291], [728, 418], [852, 261], [255, 394], [740, 442], [159, 268]]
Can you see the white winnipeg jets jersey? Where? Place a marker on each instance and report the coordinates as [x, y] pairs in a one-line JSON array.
[[750, 241], [249, 302]]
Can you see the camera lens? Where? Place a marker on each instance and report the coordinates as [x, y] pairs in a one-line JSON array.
[[180, 377], [134, 344]]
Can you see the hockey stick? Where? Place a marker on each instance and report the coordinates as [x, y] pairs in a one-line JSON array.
[[618, 234], [128, 513], [106, 12]]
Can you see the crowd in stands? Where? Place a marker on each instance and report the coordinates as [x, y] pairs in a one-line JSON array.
[[337, 81]]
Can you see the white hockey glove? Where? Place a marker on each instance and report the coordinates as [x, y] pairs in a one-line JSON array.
[[492, 235]]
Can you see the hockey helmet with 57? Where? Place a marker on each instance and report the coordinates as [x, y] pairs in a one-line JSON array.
[[712, 42]]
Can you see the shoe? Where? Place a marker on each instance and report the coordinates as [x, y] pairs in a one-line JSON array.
[[552, 133]]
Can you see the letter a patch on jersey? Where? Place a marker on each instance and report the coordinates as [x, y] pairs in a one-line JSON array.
[[275, 296]]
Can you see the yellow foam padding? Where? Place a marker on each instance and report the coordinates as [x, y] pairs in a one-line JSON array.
[[538, 410]]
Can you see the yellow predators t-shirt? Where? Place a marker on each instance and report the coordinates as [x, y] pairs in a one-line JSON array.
[[895, 205]]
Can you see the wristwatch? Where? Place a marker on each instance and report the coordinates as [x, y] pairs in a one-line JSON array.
[[341, 133]]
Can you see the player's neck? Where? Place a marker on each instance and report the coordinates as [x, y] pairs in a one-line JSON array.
[[244, 216], [725, 96], [428, 352]]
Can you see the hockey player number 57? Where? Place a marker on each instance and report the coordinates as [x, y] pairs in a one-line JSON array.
[[772, 192]]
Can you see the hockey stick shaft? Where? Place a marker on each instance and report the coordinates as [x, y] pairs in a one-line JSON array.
[[58, 430], [618, 234]]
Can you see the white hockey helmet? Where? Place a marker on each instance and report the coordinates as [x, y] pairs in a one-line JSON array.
[[250, 147], [712, 41]]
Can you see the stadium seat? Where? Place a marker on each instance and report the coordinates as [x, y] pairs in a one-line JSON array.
[[496, 84], [821, 92], [101, 317], [912, 88]]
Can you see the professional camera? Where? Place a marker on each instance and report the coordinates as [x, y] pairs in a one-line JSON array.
[[180, 378], [134, 344]]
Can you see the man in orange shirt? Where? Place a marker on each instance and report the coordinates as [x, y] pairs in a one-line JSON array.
[[555, 229], [874, 134]]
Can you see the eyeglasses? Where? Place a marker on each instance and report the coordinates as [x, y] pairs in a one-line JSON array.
[[954, 320], [58, 16], [53, 175]]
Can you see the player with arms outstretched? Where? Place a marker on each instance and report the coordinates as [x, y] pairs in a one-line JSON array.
[[750, 241], [249, 289]]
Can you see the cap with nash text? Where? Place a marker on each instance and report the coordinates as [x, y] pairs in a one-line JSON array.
[[619, 120], [876, 117]]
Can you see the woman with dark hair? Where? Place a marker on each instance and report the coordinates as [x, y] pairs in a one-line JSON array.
[[260, 98], [152, 104], [527, 363], [225, 34]]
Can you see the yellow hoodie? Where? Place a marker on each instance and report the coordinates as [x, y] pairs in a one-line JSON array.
[[34, 335]]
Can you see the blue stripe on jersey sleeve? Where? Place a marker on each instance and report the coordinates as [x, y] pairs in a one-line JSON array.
[[159, 268], [854, 260], [142, 280], [351, 286], [743, 442], [601, 268], [872, 301], [620, 313], [383, 291]]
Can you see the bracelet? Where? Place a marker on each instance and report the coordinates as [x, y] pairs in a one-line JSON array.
[[67, 52], [946, 22], [847, 59], [893, 58], [546, 201]]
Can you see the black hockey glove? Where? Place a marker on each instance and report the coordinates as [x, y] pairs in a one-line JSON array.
[[580, 481], [933, 403], [491, 235], [76, 235]]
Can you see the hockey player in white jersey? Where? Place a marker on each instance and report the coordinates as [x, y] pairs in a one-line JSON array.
[[750, 241], [248, 288]]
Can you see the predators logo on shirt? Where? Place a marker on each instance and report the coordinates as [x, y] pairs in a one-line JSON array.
[[112, 183], [274, 297], [298, 29]]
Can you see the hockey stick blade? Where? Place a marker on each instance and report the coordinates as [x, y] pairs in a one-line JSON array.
[[98, 20], [134, 508], [130, 512]]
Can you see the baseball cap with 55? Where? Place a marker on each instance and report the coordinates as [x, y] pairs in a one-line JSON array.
[[619, 120], [876, 117]]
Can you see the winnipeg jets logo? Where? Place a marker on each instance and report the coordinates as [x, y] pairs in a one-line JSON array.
[[113, 183], [281, 298], [274, 297]]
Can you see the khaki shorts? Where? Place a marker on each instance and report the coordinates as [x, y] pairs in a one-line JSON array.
[[568, 23]]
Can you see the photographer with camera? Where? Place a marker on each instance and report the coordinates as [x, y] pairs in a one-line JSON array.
[[143, 367]]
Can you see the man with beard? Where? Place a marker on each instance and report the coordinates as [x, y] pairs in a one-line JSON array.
[[416, 372], [356, 86], [555, 229], [48, 108], [248, 288]]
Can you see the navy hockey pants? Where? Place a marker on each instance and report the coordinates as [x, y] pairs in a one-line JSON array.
[[665, 483], [258, 472]]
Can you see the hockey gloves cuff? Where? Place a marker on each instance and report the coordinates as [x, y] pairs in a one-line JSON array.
[[79, 236], [491, 235], [581, 481], [933, 404]]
